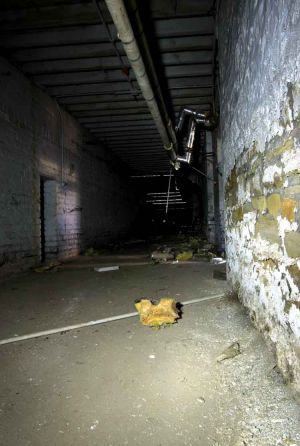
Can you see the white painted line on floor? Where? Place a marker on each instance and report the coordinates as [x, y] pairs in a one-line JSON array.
[[96, 322], [202, 299], [103, 269]]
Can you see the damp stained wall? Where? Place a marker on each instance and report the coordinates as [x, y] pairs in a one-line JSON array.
[[91, 200], [259, 56]]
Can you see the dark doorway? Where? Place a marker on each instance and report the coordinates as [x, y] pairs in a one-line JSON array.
[[48, 216]]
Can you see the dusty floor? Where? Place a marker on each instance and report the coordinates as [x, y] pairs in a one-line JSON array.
[[125, 384]]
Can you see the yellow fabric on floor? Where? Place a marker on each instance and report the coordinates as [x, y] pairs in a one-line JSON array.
[[184, 256], [165, 312]]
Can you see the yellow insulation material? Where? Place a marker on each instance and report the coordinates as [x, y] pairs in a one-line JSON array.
[[184, 256], [165, 312]]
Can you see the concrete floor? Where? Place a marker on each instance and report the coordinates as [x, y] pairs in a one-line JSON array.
[[125, 384]]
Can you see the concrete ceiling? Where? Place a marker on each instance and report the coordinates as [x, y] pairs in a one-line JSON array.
[[64, 47]]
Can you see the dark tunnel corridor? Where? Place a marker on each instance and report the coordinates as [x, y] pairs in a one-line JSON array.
[[150, 222]]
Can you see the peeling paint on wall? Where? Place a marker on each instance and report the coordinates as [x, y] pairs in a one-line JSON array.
[[260, 110]]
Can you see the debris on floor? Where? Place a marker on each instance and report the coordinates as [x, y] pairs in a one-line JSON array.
[[184, 256], [123, 371], [183, 248], [46, 268], [162, 254], [92, 252], [103, 269], [156, 315], [230, 352], [217, 260]]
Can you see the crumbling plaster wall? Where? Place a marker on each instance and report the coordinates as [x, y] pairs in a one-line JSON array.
[[93, 201], [259, 56]]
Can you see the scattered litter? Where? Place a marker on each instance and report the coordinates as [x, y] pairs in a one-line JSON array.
[[45, 268], [103, 269], [156, 315], [163, 254], [94, 425], [184, 256], [217, 260], [201, 400], [230, 352], [151, 356], [184, 248]]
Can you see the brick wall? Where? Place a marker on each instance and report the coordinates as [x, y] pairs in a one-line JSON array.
[[211, 222], [259, 45], [88, 199]]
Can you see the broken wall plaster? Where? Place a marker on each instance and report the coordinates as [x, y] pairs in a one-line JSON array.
[[260, 109]]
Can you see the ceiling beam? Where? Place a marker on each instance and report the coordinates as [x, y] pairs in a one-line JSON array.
[[142, 117], [88, 50], [111, 62], [85, 13], [98, 76], [101, 87]]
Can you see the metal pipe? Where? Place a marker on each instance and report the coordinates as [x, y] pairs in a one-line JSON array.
[[203, 174], [152, 71], [190, 142], [200, 118], [125, 69], [125, 33], [171, 152], [185, 159], [191, 135], [195, 118]]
